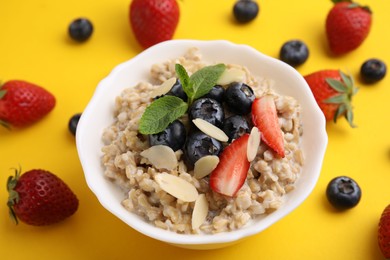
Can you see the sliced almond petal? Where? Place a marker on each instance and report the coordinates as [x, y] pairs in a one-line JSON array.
[[210, 129], [205, 165], [231, 75], [200, 212], [164, 88], [253, 144], [161, 157], [177, 187]]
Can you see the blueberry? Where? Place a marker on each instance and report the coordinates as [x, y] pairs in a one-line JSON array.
[[216, 93], [173, 136], [294, 52], [373, 70], [80, 29], [343, 192], [235, 126], [73, 121], [239, 98], [207, 109], [245, 10], [198, 145], [178, 91]]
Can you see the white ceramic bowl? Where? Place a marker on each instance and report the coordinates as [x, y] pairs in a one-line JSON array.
[[99, 114]]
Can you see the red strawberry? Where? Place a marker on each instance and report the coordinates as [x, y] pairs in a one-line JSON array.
[[347, 26], [265, 118], [23, 103], [384, 232], [39, 198], [231, 172], [333, 91], [154, 21]]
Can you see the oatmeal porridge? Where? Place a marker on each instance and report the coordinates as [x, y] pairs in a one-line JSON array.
[[155, 192]]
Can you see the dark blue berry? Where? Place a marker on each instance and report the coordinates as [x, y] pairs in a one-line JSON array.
[[294, 52], [207, 109], [235, 126], [245, 10], [216, 93], [198, 145], [173, 136], [373, 70], [239, 98], [343, 192], [178, 91], [80, 29], [73, 121]]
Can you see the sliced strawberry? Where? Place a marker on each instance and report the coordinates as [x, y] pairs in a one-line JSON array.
[[231, 172], [265, 118]]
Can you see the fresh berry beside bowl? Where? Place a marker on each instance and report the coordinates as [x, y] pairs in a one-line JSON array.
[[373, 70], [221, 156], [39, 198], [23, 103], [343, 192], [347, 26], [384, 232], [294, 52], [73, 122], [333, 90], [245, 11], [153, 21], [80, 29]]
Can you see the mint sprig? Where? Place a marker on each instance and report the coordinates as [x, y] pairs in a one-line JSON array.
[[201, 82], [160, 113], [163, 111]]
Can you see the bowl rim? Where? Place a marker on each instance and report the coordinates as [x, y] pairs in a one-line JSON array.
[[219, 238]]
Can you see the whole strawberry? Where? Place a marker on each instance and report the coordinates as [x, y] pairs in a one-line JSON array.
[[39, 198], [333, 90], [347, 26], [384, 232], [153, 21], [23, 103]]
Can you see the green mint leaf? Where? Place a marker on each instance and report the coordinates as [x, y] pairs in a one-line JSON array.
[[205, 79], [184, 79], [160, 113]]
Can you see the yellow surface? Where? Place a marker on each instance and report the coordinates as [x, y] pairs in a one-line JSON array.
[[34, 46]]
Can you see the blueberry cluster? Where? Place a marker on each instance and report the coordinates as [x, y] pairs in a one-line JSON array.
[[226, 107]]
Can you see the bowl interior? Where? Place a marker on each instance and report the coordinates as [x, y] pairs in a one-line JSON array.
[[99, 114]]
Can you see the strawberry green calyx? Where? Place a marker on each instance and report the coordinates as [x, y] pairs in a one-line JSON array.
[[346, 90], [2, 94], [339, 1], [353, 5], [13, 196], [5, 124]]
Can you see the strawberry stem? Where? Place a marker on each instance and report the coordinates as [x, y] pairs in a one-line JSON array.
[[13, 196], [5, 124], [2, 93], [346, 90], [353, 5], [339, 1]]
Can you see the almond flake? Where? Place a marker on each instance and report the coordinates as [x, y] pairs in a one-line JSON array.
[[253, 144], [164, 88], [177, 187], [231, 75], [161, 157], [200, 212], [205, 165], [210, 129]]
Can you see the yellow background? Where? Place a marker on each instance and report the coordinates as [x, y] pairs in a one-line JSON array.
[[34, 46]]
